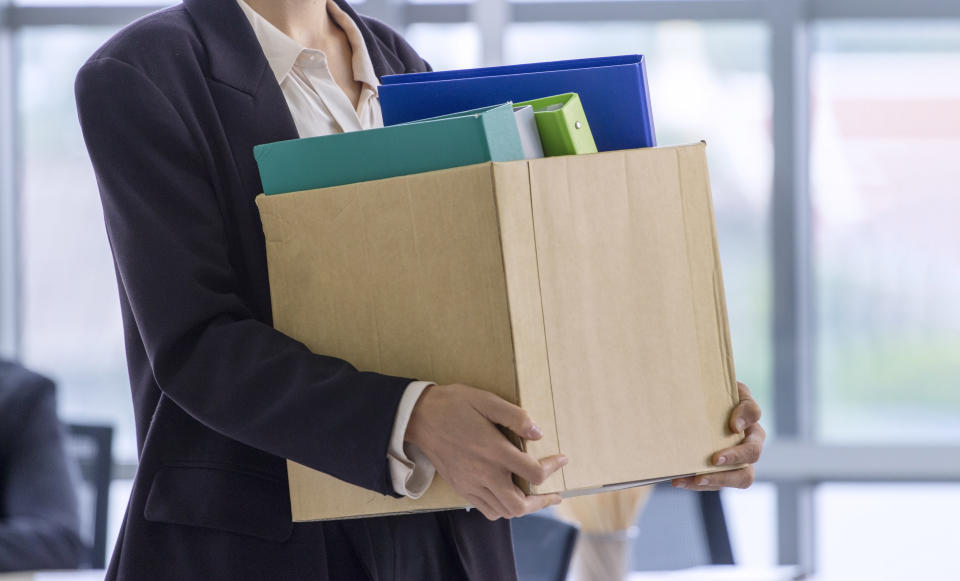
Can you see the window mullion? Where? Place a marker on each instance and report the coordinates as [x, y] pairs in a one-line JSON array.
[[790, 221], [10, 280]]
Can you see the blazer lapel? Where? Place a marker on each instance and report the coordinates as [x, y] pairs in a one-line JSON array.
[[249, 102], [235, 56], [257, 111]]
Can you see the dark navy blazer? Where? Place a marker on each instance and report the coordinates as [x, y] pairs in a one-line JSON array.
[[171, 108]]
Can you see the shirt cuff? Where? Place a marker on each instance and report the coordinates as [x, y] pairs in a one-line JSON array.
[[411, 472]]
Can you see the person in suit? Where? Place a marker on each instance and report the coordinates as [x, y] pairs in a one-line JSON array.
[[39, 522], [171, 108]]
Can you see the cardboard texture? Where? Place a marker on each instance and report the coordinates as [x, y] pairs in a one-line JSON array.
[[585, 288]]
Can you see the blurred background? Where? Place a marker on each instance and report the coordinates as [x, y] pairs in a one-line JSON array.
[[833, 131]]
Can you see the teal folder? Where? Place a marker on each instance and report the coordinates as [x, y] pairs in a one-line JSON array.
[[359, 156], [526, 126]]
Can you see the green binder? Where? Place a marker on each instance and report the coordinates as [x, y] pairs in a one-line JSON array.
[[563, 125], [346, 158]]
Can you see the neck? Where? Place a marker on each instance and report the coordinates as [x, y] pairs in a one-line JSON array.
[[305, 21]]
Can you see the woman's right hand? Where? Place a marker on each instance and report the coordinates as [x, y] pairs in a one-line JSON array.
[[456, 427]]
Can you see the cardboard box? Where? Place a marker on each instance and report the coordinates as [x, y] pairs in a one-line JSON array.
[[587, 289]]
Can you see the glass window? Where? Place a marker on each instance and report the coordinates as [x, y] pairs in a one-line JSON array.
[[751, 517], [707, 81], [446, 46], [71, 312], [885, 145], [887, 532], [120, 490]]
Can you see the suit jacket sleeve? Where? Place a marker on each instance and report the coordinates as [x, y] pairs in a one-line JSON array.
[[208, 353], [39, 523]]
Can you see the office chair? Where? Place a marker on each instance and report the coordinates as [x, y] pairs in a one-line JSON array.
[[543, 547], [91, 447]]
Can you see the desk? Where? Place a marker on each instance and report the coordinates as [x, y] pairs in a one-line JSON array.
[[84, 575], [720, 573]]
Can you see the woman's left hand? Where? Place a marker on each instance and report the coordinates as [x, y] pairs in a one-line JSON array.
[[743, 420]]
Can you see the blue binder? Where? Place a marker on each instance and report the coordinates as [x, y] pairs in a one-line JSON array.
[[613, 91]]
